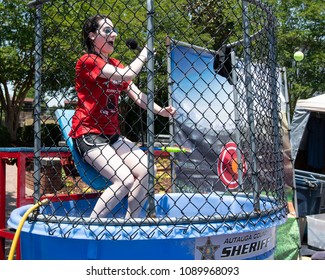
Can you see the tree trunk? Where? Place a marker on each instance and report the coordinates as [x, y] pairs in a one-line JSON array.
[[12, 113], [12, 123]]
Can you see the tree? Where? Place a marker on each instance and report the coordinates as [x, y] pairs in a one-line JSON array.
[[301, 26], [17, 60], [61, 46], [204, 23]]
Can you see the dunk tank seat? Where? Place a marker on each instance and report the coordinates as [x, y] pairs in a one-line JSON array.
[[87, 173]]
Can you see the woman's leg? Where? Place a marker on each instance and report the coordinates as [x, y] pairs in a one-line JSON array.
[[137, 162], [125, 165], [110, 165]]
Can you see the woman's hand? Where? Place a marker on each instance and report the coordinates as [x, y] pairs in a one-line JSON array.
[[167, 111]]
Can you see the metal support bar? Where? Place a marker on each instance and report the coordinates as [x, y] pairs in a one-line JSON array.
[[37, 102], [250, 103], [237, 119], [150, 108]]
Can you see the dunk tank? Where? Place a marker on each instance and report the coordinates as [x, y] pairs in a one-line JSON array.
[[218, 192]]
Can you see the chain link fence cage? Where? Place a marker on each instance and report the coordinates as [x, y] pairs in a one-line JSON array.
[[214, 169]]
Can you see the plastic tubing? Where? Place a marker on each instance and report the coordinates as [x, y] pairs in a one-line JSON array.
[[20, 226], [168, 149]]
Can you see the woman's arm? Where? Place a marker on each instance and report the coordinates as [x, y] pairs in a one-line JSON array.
[[141, 100], [129, 72]]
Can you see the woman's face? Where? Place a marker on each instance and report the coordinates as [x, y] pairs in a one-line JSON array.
[[104, 38]]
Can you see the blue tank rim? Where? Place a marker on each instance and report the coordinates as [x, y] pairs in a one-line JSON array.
[[107, 231]]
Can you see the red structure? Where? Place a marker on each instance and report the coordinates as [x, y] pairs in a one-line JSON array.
[[21, 156]]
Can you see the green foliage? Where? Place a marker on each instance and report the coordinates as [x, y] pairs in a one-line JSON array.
[[208, 24], [16, 45], [50, 135], [25, 136], [4, 137], [301, 26], [17, 59]]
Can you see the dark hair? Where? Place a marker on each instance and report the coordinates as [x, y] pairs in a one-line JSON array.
[[91, 25]]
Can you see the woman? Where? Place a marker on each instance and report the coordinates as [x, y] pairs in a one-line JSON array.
[[95, 128]]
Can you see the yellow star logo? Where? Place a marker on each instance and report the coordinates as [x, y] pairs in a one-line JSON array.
[[208, 250]]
